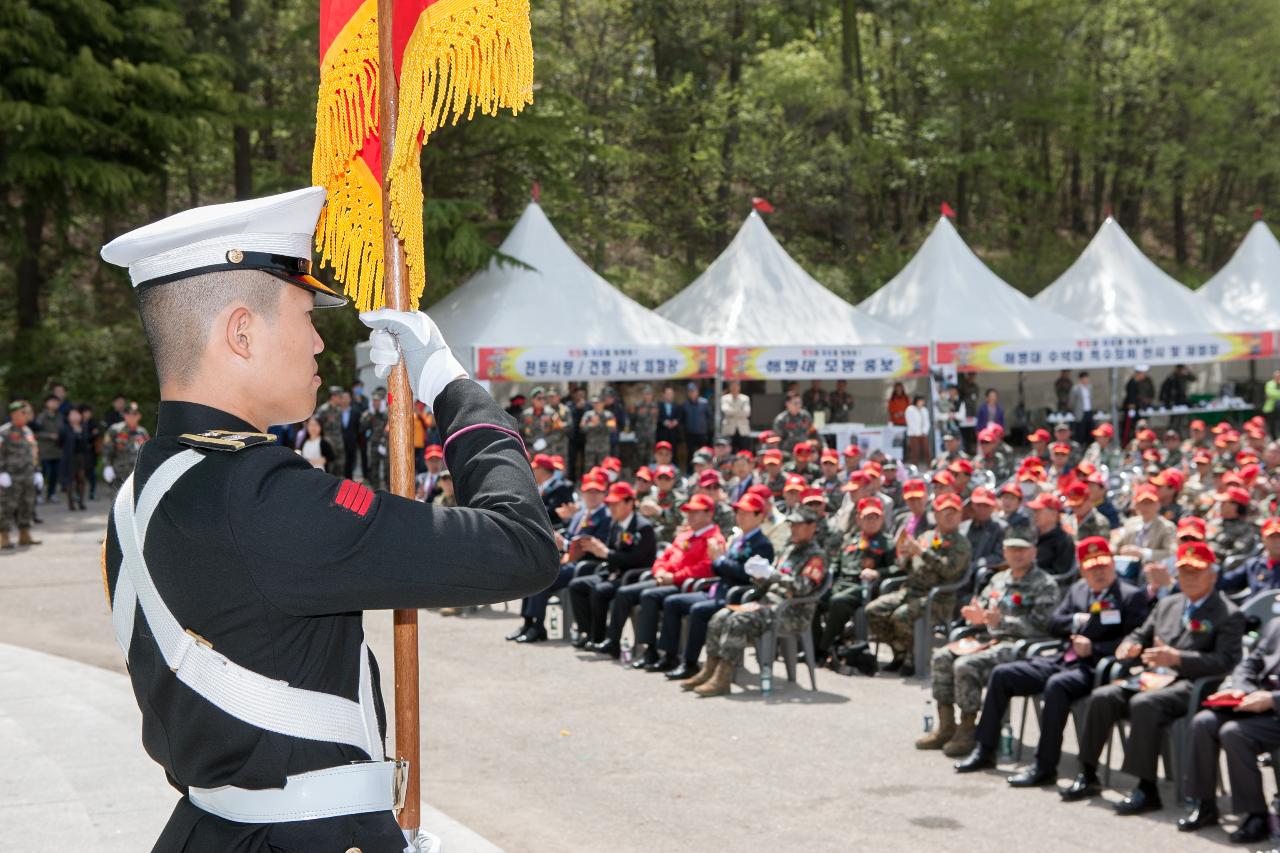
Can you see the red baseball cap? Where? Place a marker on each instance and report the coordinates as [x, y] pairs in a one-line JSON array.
[[1197, 424], [611, 463], [1236, 494], [830, 456], [914, 489], [1147, 435], [662, 445], [857, 480], [433, 451], [1195, 555], [1191, 527], [746, 454], [960, 466], [944, 478], [1011, 488], [752, 502], [593, 484], [982, 495], [544, 461], [870, 506], [873, 469], [710, 477], [948, 501], [558, 461], [1040, 436], [772, 457], [698, 503], [661, 471], [763, 491], [795, 483], [1094, 551], [1202, 457], [853, 451], [802, 449], [620, 492], [643, 473], [813, 494], [1146, 492], [1104, 431], [1060, 447], [1044, 500], [1271, 526], [1076, 493], [988, 434]]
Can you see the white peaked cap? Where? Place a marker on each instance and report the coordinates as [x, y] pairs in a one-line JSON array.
[[272, 234]]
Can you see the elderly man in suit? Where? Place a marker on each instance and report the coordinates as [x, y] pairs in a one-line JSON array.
[[1188, 634], [1145, 537], [632, 545], [1245, 724]]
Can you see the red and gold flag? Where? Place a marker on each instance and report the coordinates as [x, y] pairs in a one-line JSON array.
[[452, 58]]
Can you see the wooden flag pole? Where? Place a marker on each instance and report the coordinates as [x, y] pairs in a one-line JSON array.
[[395, 291]]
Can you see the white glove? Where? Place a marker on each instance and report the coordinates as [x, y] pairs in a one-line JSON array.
[[37, 480], [108, 474], [5, 480], [540, 445], [382, 449], [427, 357], [758, 567]]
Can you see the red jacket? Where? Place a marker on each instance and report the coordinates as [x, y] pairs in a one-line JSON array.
[[687, 557]]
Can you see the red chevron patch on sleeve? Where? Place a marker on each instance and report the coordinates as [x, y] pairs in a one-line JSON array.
[[354, 497]]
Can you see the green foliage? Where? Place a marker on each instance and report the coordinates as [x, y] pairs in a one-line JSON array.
[[654, 124]]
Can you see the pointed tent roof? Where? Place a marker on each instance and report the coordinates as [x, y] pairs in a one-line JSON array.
[[557, 300], [946, 294], [1112, 288], [1248, 287], [755, 294]]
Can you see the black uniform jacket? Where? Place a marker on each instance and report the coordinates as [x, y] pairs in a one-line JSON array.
[[1105, 634], [273, 561]]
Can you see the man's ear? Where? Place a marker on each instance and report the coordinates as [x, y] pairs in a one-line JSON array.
[[237, 331]]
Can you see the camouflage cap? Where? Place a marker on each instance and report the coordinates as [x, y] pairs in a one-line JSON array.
[[802, 515]]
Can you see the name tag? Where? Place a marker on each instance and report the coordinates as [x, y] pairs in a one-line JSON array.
[[1110, 617]]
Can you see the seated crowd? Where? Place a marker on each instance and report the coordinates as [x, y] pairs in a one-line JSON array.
[[1105, 579]]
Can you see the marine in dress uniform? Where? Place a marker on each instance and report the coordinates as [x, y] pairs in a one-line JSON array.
[[798, 572], [20, 481], [238, 573], [1098, 611], [1189, 634]]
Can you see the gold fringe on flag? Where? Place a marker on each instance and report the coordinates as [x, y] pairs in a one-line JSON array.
[[463, 56]]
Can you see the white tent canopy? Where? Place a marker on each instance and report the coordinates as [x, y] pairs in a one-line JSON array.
[[947, 294], [556, 301], [756, 295], [1114, 289], [1248, 287]]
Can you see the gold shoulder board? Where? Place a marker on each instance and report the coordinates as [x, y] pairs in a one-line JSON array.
[[221, 439]]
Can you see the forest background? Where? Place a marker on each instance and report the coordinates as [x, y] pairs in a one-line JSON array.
[[654, 124]]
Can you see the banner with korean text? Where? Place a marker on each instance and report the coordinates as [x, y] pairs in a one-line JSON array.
[[523, 364], [1106, 351], [820, 362]]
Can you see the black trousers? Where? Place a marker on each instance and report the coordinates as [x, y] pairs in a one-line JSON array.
[[626, 598], [1149, 714], [1242, 737], [697, 608], [590, 597], [651, 607], [1062, 684]]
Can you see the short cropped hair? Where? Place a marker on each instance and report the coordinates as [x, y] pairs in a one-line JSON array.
[[177, 316]]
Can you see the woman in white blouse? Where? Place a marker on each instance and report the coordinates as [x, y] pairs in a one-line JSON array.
[[315, 449], [917, 416]]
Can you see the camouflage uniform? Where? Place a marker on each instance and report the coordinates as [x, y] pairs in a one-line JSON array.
[[1109, 457], [330, 418], [1236, 537], [644, 423], [18, 458], [120, 450], [793, 429], [1093, 524], [800, 571], [808, 470], [945, 560], [998, 463], [374, 426], [725, 518], [847, 593], [831, 538], [1025, 606], [668, 517], [597, 428], [543, 425], [558, 438]]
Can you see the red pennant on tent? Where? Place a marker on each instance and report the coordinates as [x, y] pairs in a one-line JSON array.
[[535, 192], [947, 211], [1257, 213], [762, 204]]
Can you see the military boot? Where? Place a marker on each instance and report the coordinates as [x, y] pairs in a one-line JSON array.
[[963, 741], [24, 537], [718, 684], [5, 541], [703, 676], [946, 729]]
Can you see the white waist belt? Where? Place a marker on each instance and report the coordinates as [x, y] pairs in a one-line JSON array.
[[372, 786]]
